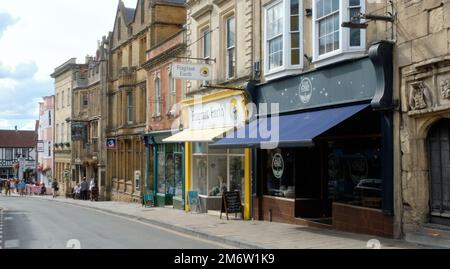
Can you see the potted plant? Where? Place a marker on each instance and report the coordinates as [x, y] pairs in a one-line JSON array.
[[56, 145], [67, 144]]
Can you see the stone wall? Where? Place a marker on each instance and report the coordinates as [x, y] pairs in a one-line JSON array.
[[423, 74]]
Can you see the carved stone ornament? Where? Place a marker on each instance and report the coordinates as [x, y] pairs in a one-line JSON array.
[[419, 96], [445, 89]]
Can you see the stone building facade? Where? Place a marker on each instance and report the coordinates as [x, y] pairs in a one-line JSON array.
[[89, 117], [136, 30], [423, 80], [63, 76]]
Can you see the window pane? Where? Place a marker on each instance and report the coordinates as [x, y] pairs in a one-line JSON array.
[[355, 37], [275, 21], [161, 170], [178, 163], [335, 5], [319, 8], [230, 32], [200, 148], [327, 7], [295, 26], [329, 34], [217, 175], [276, 53], [217, 151], [206, 43], [322, 45], [237, 174], [336, 41], [354, 3], [230, 63], [295, 40], [170, 174], [294, 7], [329, 44], [295, 56]]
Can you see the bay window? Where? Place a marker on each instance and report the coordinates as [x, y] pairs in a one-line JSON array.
[[332, 42], [283, 38]]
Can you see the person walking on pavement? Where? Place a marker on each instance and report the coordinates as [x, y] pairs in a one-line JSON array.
[[84, 189], [21, 187], [7, 187], [55, 188]]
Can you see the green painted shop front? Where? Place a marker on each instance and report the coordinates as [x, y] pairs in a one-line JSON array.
[[166, 168]]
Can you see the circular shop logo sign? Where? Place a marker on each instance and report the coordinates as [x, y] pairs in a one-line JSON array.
[[204, 72], [278, 166], [305, 91]]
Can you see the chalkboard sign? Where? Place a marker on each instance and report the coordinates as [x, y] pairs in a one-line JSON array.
[[231, 203]]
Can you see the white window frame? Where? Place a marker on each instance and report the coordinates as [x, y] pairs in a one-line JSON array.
[[287, 68], [230, 48], [345, 51], [206, 40], [158, 96]]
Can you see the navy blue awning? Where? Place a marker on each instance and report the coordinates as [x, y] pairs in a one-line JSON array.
[[293, 130]]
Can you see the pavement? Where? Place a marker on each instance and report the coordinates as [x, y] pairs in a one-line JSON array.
[[235, 232], [27, 223]]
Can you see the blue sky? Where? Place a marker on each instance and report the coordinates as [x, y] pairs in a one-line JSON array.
[[36, 37]]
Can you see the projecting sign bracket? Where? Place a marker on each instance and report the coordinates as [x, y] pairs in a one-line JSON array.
[[207, 60]]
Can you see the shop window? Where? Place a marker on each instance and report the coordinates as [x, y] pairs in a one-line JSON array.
[[332, 42], [280, 173], [354, 173], [217, 170], [217, 175]]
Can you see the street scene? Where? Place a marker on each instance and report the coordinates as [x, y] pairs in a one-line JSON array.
[[225, 124]]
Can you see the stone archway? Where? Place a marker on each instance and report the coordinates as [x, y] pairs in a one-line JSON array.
[[438, 142]]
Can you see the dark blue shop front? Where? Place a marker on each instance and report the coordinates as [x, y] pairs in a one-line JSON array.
[[324, 156]]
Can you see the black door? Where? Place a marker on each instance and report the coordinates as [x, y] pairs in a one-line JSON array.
[[439, 157]]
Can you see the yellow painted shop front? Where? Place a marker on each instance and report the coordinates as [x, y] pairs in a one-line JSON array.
[[210, 172]]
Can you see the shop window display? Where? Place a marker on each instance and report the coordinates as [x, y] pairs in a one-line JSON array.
[[354, 173], [217, 170], [280, 173]]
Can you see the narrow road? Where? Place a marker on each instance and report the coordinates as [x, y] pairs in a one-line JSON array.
[[40, 224]]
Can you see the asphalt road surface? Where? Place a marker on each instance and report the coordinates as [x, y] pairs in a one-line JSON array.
[[27, 223]]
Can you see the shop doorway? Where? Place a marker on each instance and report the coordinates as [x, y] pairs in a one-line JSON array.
[[439, 161]]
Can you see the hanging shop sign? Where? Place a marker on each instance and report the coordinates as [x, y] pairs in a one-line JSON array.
[[79, 131], [40, 146], [228, 112], [185, 71], [111, 143]]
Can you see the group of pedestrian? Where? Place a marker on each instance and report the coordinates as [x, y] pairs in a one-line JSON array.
[[8, 184], [85, 190]]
